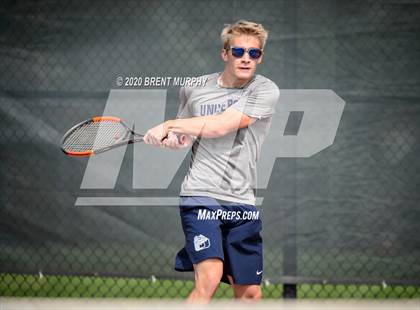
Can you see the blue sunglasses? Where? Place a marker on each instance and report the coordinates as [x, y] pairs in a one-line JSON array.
[[238, 52]]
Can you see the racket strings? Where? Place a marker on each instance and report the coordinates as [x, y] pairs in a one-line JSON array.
[[94, 136]]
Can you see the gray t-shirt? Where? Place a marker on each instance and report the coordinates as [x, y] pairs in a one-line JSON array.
[[225, 167]]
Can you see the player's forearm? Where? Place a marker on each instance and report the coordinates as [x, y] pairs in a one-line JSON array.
[[204, 126]]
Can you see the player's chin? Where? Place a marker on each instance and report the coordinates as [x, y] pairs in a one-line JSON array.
[[242, 74]]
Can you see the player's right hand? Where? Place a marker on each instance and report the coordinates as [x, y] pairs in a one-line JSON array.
[[175, 141]]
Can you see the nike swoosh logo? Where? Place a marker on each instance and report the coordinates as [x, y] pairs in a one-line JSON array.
[[259, 272]]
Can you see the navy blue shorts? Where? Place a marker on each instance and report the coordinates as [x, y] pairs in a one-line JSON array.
[[226, 230]]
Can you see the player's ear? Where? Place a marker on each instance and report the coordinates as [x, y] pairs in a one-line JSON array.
[[224, 55], [260, 59]]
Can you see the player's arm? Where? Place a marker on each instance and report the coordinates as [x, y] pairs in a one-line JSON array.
[[211, 126], [178, 141]]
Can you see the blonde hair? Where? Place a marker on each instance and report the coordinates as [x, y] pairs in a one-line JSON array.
[[243, 27]]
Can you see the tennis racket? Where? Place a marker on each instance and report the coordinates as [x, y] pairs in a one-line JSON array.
[[97, 135]]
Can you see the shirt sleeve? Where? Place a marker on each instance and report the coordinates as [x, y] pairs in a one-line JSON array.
[[183, 110], [260, 102]]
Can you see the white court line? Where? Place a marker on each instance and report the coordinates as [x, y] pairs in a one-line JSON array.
[[136, 304], [133, 201]]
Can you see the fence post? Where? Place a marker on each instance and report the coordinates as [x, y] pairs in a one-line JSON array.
[[290, 214]]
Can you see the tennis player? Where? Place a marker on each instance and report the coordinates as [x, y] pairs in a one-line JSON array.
[[226, 121]]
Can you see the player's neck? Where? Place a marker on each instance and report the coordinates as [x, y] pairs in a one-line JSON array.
[[225, 80]]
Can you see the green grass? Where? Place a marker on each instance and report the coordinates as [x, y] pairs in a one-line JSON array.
[[110, 287], [360, 291]]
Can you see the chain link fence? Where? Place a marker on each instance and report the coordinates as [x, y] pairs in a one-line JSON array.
[[342, 224]]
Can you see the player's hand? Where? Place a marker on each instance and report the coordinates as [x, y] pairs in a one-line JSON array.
[[175, 141], [156, 134]]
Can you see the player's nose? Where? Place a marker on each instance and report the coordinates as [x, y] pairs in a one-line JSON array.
[[245, 58]]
